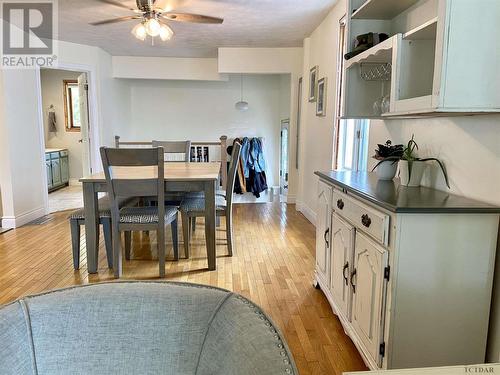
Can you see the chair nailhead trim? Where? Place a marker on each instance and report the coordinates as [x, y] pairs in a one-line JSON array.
[[273, 331]]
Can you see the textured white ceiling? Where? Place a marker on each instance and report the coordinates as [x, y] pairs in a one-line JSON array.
[[247, 23]]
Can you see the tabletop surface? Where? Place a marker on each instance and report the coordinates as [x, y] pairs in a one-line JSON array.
[[174, 171], [397, 198]]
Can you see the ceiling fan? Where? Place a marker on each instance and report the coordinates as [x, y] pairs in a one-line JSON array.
[[152, 19]]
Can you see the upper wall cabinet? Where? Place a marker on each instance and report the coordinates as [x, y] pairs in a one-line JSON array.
[[441, 58]]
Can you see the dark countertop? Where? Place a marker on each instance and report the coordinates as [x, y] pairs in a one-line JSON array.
[[396, 198]]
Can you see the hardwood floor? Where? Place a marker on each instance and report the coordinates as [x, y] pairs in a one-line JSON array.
[[273, 265]]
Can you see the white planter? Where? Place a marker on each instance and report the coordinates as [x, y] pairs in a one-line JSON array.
[[387, 170], [417, 171]]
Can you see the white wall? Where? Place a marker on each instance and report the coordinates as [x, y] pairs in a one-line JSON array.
[[469, 146], [192, 69], [316, 133], [260, 60], [53, 94], [265, 61], [204, 110]]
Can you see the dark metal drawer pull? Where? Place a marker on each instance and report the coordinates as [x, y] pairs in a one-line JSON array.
[[326, 237], [365, 220], [352, 277], [340, 204], [346, 266]]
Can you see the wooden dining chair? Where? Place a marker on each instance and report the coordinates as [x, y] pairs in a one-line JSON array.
[[195, 207], [77, 220], [175, 150], [138, 218]]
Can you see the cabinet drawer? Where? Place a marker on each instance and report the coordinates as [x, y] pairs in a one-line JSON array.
[[366, 218]]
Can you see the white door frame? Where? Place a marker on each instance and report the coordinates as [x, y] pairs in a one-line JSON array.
[[94, 154], [284, 179]]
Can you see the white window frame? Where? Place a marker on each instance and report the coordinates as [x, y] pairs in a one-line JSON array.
[[359, 142]]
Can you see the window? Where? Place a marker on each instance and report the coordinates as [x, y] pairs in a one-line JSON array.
[[71, 105], [351, 136], [352, 151]]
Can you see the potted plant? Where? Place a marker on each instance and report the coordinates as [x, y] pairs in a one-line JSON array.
[[388, 156], [411, 167]]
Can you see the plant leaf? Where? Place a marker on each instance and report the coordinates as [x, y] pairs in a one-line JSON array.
[[443, 169], [394, 158]]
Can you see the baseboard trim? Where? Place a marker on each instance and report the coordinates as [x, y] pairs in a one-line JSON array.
[[25, 218], [74, 182], [291, 199], [309, 213]]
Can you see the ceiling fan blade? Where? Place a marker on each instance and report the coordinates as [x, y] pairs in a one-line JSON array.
[[188, 17], [115, 20], [117, 4]]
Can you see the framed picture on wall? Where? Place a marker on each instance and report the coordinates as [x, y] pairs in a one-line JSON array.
[[313, 80], [321, 101]]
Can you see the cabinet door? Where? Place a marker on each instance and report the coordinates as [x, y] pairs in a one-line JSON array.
[[64, 170], [369, 289], [56, 172], [48, 169], [341, 264], [323, 231]]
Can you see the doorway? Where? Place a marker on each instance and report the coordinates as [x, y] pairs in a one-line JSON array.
[[285, 139], [65, 114]]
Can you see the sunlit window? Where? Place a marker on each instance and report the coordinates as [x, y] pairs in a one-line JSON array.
[[72, 105]]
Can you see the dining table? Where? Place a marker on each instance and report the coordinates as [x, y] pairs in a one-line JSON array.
[[178, 176]]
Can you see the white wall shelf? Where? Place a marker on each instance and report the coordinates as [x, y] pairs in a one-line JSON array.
[[381, 53], [382, 9], [426, 31]]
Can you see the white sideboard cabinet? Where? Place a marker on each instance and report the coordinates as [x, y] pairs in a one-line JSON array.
[[408, 271]]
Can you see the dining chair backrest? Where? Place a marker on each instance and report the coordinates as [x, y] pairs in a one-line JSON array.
[[175, 150], [123, 180], [233, 169]]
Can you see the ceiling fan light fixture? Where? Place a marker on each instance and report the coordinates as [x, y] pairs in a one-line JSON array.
[[153, 27], [139, 31], [166, 32]]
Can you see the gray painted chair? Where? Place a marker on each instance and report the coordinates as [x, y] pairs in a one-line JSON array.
[[128, 219], [140, 328], [174, 149], [77, 219], [195, 207]]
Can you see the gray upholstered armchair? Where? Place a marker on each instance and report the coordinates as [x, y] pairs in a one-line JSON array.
[[140, 328]]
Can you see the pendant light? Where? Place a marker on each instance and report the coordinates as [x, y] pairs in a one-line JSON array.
[[242, 105]]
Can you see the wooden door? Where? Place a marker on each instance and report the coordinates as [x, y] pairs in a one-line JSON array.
[[369, 289], [84, 123], [284, 159], [341, 264], [323, 217]]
